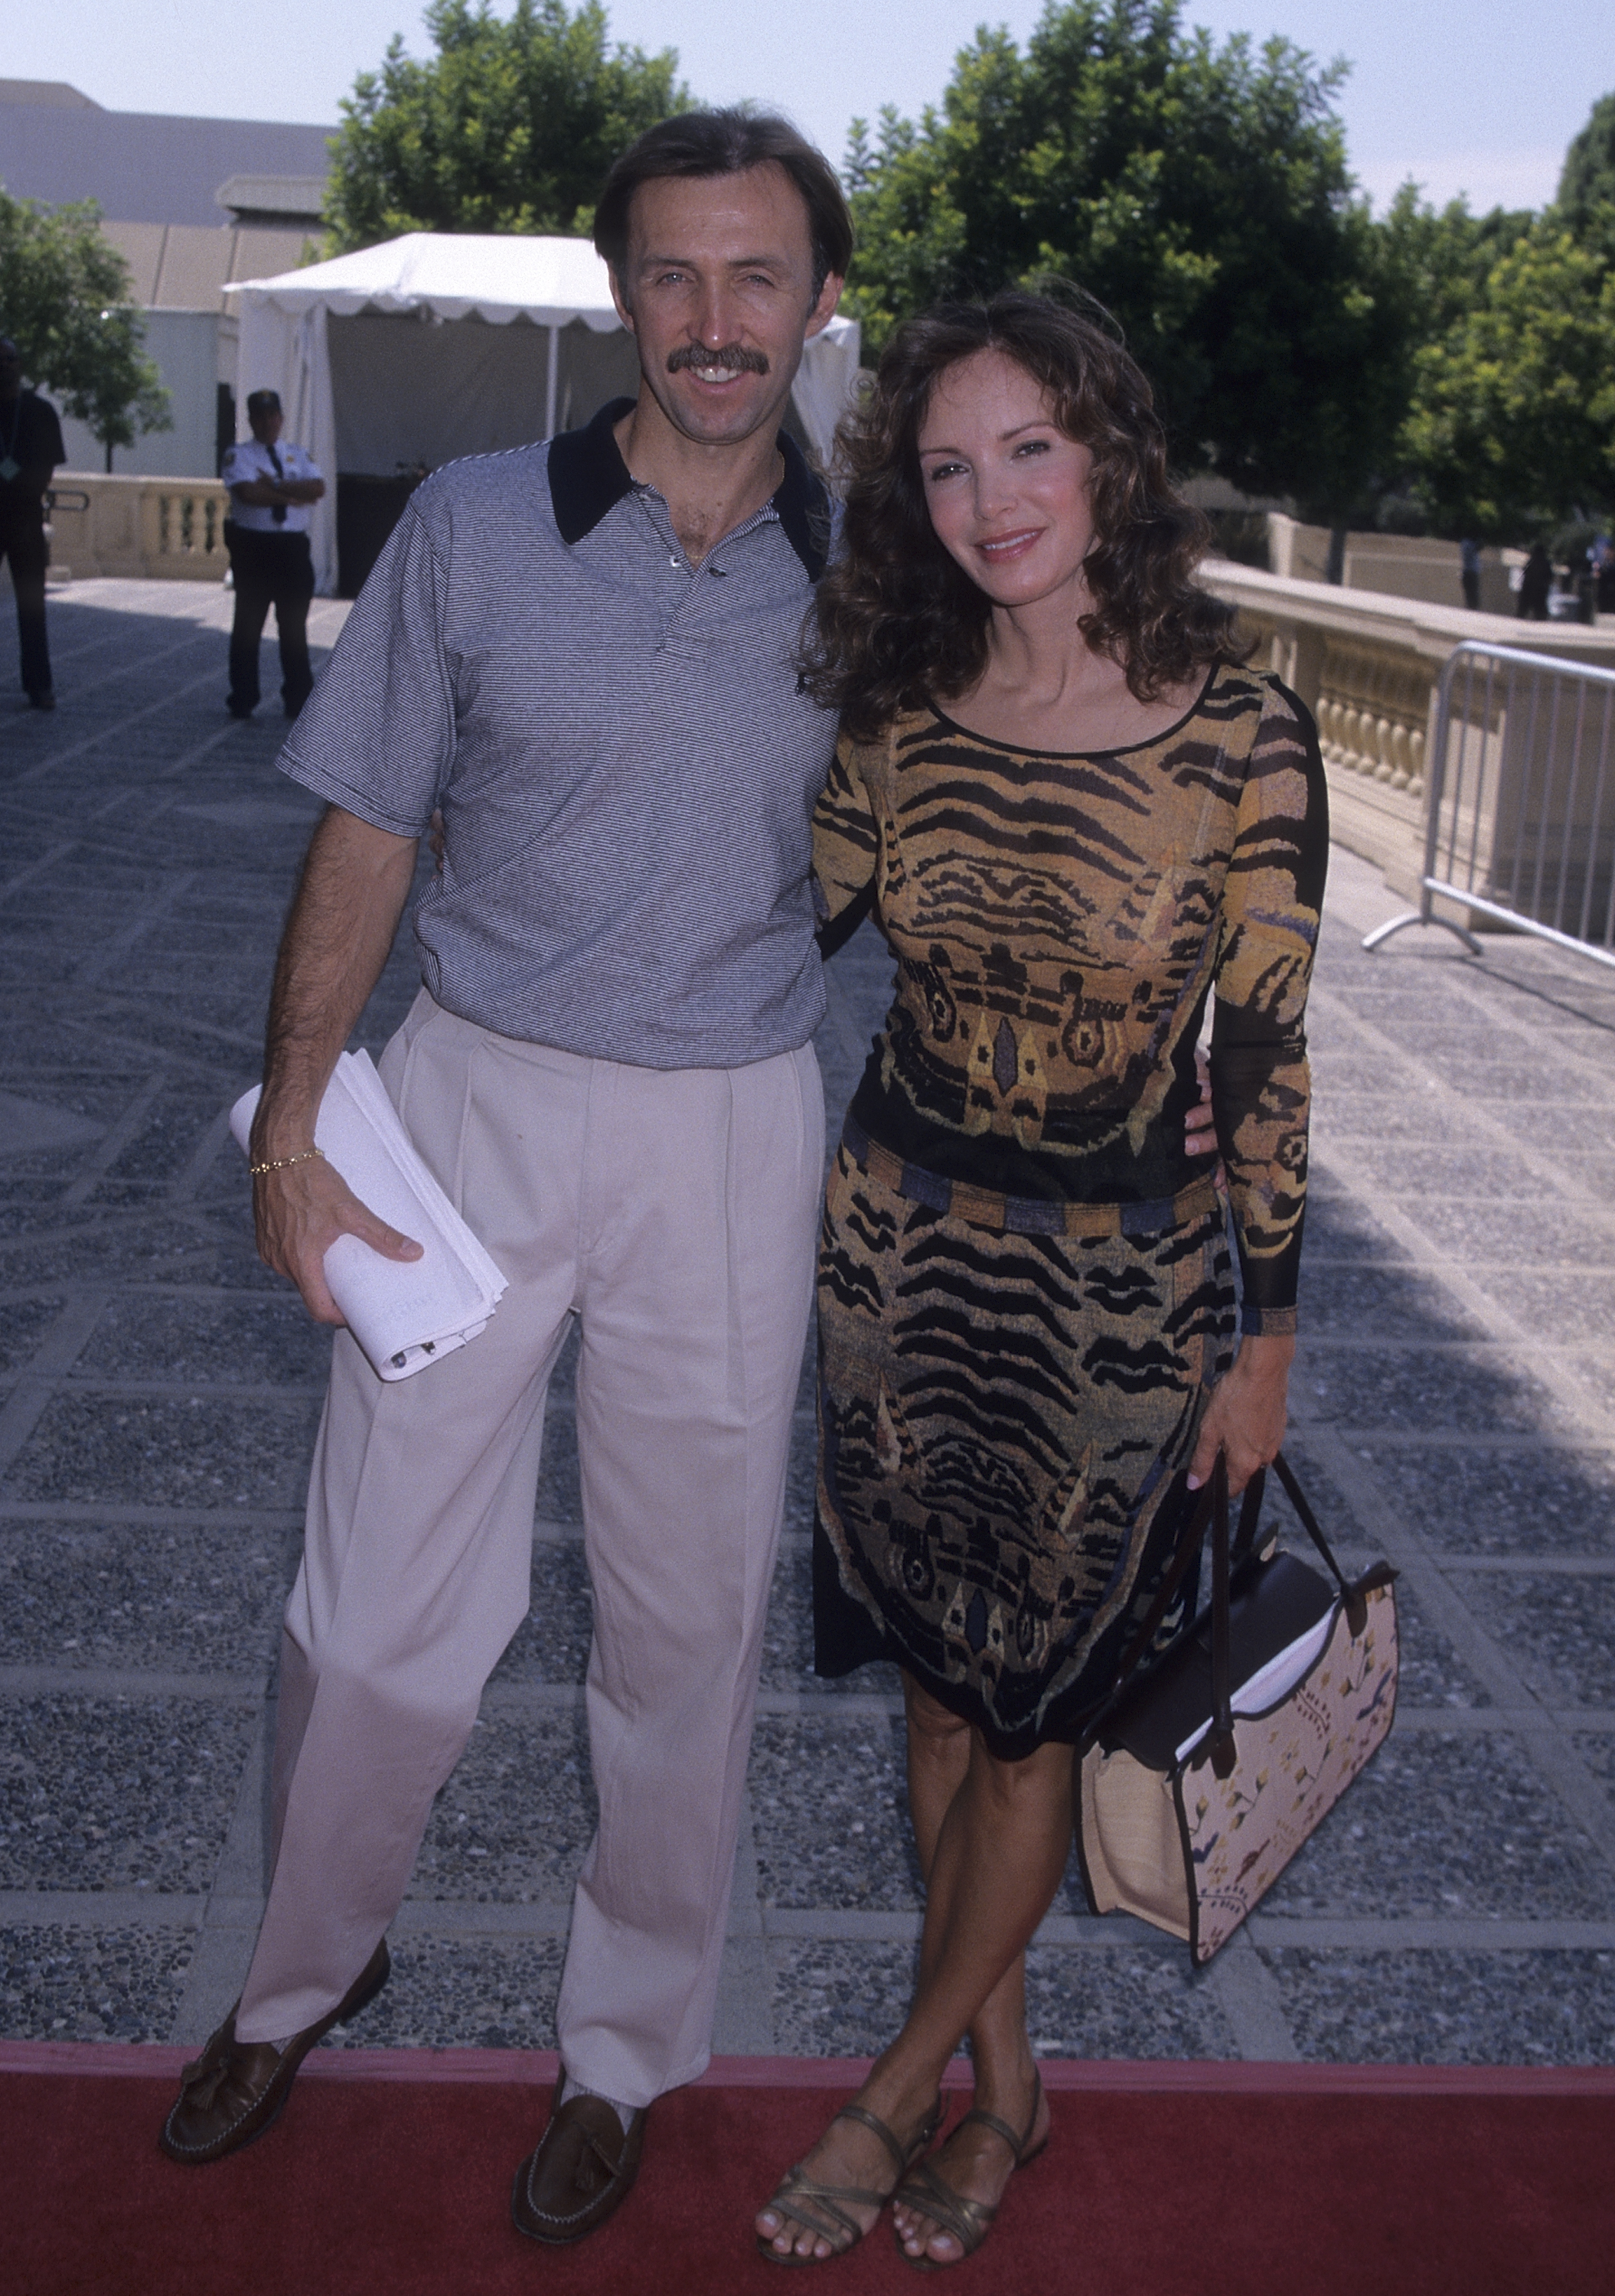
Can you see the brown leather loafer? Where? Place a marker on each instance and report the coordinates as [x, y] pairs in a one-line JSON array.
[[583, 2171], [237, 2090]]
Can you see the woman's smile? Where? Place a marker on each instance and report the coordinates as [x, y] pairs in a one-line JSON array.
[[996, 549]]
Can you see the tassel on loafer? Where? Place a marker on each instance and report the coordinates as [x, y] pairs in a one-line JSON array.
[[236, 2090]]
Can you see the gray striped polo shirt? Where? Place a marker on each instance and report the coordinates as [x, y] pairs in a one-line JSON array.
[[625, 766]]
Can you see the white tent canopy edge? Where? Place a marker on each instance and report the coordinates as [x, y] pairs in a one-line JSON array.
[[548, 282]]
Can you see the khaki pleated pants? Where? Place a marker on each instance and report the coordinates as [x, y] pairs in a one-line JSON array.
[[675, 1212]]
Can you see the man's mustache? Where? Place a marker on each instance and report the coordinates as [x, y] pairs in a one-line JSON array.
[[738, 357]]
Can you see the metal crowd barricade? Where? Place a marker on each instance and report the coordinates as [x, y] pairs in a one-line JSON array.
[[1520, 780]]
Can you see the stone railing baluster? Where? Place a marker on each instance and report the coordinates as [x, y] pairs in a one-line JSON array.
[[171, 529], [1367, 665]]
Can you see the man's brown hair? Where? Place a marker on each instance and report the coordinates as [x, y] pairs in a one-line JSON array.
[[726, 144]]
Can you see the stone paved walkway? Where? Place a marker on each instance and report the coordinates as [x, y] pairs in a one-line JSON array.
[[1454, 1408]]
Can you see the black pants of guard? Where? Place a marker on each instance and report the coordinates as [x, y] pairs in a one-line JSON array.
[[22, 547], [269, 570]]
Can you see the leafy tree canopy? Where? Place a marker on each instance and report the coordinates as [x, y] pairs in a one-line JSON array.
[[64, 303], [1512, 427], [1203, 194], [1299, 346], [1444, 255], [510, 127], [1586, 187], [1513, 416]]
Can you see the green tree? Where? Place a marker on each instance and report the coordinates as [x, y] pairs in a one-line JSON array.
[[1587, 186], [64, 303], [1445, 255], [510, 127], [1585, 204], [1202, 192], [1512, 425]]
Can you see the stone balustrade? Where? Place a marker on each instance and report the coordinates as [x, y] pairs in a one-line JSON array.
[[1372, 711], [168, 529], [1367, 665]]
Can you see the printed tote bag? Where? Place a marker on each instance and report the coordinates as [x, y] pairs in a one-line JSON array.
[[1201, 1780]]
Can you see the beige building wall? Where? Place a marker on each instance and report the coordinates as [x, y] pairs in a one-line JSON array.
[[1397, 565], [177, 275], [183, 267]]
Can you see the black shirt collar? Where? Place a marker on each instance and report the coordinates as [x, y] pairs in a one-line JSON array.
[[588, 477]]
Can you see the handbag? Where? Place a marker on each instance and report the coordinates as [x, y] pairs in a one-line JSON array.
[[1196, 1784]]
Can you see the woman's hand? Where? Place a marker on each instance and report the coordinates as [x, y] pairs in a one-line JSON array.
[[1245, 1417], [1200, 1126]]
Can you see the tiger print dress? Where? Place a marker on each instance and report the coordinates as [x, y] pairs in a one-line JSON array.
[[1025, 1289]]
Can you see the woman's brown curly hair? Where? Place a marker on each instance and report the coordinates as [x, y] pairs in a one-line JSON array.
[[899, 622]]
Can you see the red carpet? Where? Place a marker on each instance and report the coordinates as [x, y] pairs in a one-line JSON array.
[[390, 2175]]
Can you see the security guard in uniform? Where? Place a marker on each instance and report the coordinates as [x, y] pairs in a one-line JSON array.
[[271, 489]]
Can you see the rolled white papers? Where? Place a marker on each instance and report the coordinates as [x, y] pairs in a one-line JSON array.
[[404, 1313]]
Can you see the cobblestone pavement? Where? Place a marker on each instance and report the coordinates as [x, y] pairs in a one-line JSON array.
[[1455, 1408]]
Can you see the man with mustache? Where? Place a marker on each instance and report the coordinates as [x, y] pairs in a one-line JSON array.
[[582, 655]]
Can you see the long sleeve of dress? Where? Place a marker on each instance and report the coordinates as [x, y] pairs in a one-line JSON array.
[[845, 851], [1261, 1082]]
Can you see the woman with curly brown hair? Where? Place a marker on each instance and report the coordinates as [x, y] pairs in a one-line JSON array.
[[1076, 816]]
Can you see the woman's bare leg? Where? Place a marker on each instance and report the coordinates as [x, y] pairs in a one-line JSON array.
[[997, 1855], [975, 2162], [1001, 2054]]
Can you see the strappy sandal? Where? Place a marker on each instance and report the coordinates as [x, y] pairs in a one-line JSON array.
[[798, 2192], [969, 2221]]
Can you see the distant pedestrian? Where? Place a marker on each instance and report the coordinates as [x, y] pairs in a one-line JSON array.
[[1535, 584], [30, 448], [272, 489], [1468, 560]]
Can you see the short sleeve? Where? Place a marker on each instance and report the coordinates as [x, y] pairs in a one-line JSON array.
[[236, 470], [1260, 1080], [377, 735], [846, 849]]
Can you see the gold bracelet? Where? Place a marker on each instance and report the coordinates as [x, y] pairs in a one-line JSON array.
[[279, 1163]]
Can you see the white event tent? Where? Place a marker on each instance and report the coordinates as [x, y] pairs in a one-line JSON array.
[[409, 354]]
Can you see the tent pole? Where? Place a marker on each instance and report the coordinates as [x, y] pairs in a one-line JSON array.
[[551, 382]]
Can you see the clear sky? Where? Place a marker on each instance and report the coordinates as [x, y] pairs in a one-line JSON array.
[[1481, 97]]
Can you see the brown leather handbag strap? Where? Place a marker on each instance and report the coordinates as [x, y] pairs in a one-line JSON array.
[[1354, 1601], [1221, 1671], [1188, 1546], [1355, 1592], [1213, 1495], [1249, 1515], [1211, 1513], [1309, 1523], [1188, 1543]]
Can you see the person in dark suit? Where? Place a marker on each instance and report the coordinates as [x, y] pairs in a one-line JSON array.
[[272, 485], [30, 449], [1535, 584]]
